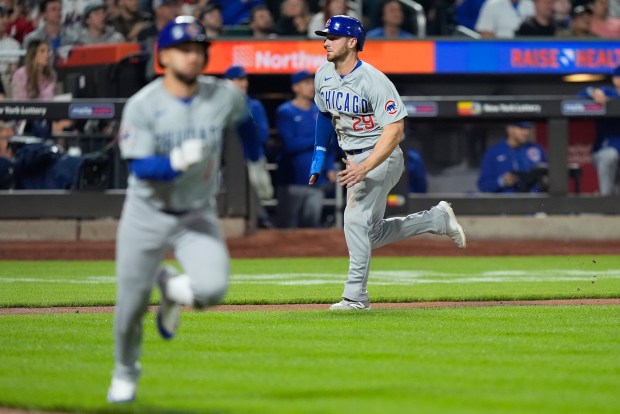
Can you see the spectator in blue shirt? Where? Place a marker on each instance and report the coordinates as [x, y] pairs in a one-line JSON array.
[[467, 12], [236, 12], [516, 164], [300, 205], [392, 18], [607, 144]]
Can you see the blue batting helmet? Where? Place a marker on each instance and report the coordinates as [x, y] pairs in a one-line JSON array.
[[183, 29], [342, 25]]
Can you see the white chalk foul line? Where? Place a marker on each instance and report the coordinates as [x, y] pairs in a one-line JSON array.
[[399, 277]]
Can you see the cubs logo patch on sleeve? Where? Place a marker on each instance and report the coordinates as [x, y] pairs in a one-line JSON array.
[[390, 107]]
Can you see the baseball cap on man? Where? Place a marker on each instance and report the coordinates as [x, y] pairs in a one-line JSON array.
[[616, 71], [580, 9], [522, 124], [300, 76], [235, 72]]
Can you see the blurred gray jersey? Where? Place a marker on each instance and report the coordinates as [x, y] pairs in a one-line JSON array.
[[154, 122], [360, 103]]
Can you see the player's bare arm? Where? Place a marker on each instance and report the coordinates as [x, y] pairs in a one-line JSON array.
[[392, 135]]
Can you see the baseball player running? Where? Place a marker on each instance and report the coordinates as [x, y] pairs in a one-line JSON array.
[[171, 134], [361, 106]]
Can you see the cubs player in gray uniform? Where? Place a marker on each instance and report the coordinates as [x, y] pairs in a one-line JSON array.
[[361, 107], [171, 134]]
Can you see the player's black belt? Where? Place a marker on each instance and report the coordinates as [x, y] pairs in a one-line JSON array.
[[358, 151]]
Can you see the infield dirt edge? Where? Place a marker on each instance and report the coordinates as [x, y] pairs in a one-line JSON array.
[[323, 306]]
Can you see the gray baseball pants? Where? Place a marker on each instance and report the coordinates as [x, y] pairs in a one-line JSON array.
[[366, 229], [145, 236]]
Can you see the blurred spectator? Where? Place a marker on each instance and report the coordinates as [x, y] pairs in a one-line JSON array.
[[516, 164], [294, 18], [36, 79], [602, 24], [562, 12], [467, 12], [20, 19], [392, 18], [607, 144], [49, 28], [164, 12], [8, 45], [579, 24], [260, 179], [37, 164], [542, 23], [416, 172], [300, 205], [330, 8], [501, 18], [211, 18], [261, 22], [130, 19], [94, 28], [235, 12]]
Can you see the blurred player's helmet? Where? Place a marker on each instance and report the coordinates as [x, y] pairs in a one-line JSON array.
[[182, 29], [342, 25]]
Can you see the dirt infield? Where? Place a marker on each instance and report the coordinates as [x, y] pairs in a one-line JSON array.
[[318, 243], [323, 307]]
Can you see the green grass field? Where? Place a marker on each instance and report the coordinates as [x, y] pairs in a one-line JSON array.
[[509, 359]]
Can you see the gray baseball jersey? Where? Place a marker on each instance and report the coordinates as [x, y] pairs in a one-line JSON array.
[[154, 122], [360, 103]]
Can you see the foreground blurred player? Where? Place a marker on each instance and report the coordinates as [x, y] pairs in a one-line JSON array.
[[363, 107], [171, 134]]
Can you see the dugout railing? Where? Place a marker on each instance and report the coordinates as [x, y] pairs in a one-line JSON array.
[[234, 200]]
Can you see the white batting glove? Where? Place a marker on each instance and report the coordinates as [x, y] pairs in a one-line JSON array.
[[189, 153], [260, 179]]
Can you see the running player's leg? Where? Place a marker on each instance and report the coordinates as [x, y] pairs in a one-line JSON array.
[[203, 254], [139, 251], [365, 205], [386, 231]]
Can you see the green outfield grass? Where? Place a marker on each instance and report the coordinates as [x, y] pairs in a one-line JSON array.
[[70, 283], [452, 360], [542, 359]]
